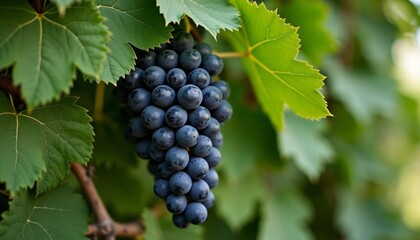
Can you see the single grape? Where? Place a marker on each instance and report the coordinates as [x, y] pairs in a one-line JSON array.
[[212, 63], [210, 200], [180, 183], [214, 158], [199, 77], [142, 148], [152, 166], [176, 203], [212, 129], [199, 117], [203, 48], [154, 76], [181, 41], [212, 97], [190, 59], [223, 112], [199, 191], [197, 168], [212, 178], [139, 99], [203, 147], [217, 140], [146, 59], [136, 128], [223, 86], [176, 78], [196, 213], [161, 188], [189, 96], [163, 138], [187, 136], [177, 158], [167, 59], [176, 116], [164, 171], [134, 79], [153, 117], [163, 96], [180, 221], [156, 154]]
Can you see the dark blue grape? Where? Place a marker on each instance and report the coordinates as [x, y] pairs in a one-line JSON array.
[[199, 77], [161, 188], [199, 191], [190, 59], [212, 96], [203, 48], [142, 148], [223, 86], [167, 59], [176, 116], [164, 171], [181, 41], [139, 99], [195, 213], [186, 136], [189, 96], [180, 221], [177, 158], [214, 158], [210, 200], [212, 129], [199, 117], [197, 168], [136, 128], [156, 154], [217, 140], [146, 59], [212, 63], [203, 147], [154, 76], [134, 79], [153, 117], [176, 78], [176, 203], [152, 166], [212, 178], [163, 96], [223, 112], [163, 138], [180, 183]]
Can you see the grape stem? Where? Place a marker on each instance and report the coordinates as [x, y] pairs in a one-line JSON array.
[[105, 227], [190, 28], [230, 54], [99, 102]]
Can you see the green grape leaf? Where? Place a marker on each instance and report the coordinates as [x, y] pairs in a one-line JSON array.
[[57, 214], [284, 216], [302, 140], [131, 22], [62, 5], [237, 213], [366, 219], [212, 15], [39, 145], [311, 17], [270, 47], [163, 229], [46, 49], [363, 93]]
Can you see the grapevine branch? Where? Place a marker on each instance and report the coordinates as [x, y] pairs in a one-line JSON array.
[[6, 84], [105, 226]]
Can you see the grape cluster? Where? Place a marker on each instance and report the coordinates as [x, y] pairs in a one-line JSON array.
[[177, 111]]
